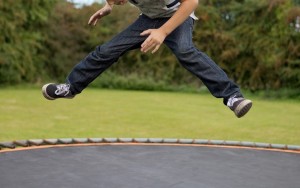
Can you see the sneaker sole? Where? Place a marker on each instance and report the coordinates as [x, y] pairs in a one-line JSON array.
[[45, 92], [243, 108]]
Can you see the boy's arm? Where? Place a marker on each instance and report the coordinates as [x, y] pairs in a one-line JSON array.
[[105, 10], [157, 36], [100, 13]]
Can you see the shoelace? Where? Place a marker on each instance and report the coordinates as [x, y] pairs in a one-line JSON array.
[[62, 89], [231, 100]]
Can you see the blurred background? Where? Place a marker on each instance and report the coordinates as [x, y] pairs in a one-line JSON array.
[[256, 42]]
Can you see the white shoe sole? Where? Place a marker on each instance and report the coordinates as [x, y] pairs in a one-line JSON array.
[[44, 91]]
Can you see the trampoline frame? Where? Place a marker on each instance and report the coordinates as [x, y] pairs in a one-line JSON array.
[[71, 142]]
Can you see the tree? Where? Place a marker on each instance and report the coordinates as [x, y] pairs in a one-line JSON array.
[[21, 38], [249, 39]]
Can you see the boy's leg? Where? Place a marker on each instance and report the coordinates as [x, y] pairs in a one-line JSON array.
[[99, 60], [107, 54], [199, 64]]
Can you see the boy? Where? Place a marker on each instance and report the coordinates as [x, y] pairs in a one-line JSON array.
[[162, 21]]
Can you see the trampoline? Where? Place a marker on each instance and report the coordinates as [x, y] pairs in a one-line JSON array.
[[142, 163]]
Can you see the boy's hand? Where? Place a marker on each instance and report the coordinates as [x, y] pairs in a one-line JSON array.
[[99, 14], [154, 40]]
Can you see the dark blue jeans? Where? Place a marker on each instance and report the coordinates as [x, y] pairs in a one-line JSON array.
[[179, 41]]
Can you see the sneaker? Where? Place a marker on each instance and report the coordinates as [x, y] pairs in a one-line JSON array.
[[55, 91], [239, 105]]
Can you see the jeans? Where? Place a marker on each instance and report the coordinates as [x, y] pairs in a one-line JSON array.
[[179, 41]]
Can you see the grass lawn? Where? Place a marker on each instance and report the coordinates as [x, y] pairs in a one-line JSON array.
[[25, 114]]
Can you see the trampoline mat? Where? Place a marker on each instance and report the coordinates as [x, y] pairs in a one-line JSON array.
[[155, 166]]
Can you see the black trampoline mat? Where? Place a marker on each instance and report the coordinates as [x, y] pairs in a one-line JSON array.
[[153, 166]]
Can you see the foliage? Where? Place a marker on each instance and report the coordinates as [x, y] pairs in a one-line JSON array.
[[65, 43], [255, 42], [252, 41], [21, 39]]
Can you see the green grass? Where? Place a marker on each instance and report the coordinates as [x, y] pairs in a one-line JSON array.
[[25, 114]]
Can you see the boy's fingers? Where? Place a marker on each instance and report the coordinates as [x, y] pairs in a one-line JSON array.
[[90, 20], [146, 42], [95, 22], [155, 49], [147, 32], [94, 19], [149, 45]]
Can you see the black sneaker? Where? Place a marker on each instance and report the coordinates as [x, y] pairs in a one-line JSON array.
[[239, 105], [55, 91]]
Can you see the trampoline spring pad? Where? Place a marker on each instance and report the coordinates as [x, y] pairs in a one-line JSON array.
[[72, 141]]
